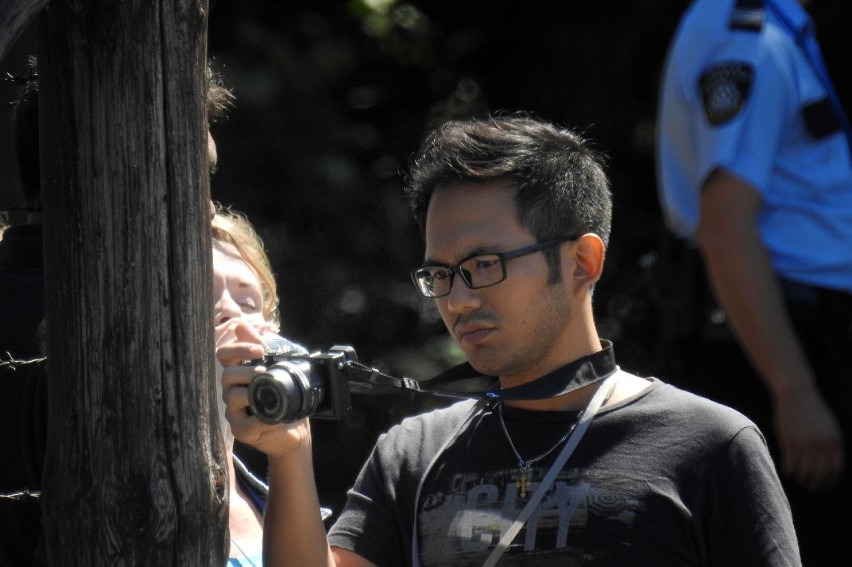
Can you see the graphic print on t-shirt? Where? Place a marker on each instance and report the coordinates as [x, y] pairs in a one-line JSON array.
[[463, 515]]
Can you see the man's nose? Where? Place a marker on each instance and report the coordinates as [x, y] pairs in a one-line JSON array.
[[461, 298]]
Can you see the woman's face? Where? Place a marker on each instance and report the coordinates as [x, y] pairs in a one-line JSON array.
[[237, 291], [238, 296]]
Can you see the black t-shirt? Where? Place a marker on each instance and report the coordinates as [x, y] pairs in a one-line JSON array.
[[663, 478]]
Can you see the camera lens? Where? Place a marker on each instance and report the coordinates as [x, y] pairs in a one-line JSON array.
[[285, 392], [267, 400]]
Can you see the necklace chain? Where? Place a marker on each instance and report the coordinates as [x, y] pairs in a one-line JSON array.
[[521, 461], [525, 466]]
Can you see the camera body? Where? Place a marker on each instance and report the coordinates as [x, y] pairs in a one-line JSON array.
[[295, 386]]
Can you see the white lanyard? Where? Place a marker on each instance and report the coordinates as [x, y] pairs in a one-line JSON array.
[[597, 400]]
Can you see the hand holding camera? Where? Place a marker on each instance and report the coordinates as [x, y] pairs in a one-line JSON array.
[[298, 385], [286, 383], [274, 440]]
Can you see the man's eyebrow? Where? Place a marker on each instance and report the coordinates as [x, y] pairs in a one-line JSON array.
[[477, 251], [431, 262]]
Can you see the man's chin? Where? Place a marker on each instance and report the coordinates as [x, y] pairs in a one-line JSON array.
[[482, 362]]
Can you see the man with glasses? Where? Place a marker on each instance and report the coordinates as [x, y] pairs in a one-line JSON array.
[[568, 460], [478, 271]]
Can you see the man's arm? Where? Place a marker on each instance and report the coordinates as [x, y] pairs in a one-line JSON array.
[[293, 531], [747, 287]]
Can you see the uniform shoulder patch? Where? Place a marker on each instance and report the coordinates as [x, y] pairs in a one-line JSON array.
[[724, 90]]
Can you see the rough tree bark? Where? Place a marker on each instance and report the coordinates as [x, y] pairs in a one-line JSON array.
[[134, 472]]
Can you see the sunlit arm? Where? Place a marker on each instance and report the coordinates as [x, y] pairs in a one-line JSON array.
[[747, 287], [293, 530]]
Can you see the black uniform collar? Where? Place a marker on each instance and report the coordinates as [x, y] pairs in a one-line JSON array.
[[581, 372]]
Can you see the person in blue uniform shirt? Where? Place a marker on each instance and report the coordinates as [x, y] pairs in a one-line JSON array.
[[755, 172]]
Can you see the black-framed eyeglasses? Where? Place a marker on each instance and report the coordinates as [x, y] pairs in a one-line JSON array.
[[477, 271]]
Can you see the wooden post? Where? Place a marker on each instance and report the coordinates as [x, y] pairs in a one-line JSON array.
[[134, 471]]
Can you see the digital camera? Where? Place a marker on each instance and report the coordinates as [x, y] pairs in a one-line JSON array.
[[295, 386]]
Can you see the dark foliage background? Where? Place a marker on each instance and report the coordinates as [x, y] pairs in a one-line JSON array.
[[332, 96]]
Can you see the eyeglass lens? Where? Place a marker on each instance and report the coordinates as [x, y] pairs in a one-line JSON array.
[[479, 271]]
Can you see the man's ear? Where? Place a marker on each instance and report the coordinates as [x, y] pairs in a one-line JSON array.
[[589, 252]]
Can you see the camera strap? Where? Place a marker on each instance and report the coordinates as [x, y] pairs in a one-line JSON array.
[[801, 29], [372, 380], [581, 372]]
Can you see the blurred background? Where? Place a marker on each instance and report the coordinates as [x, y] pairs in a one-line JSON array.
[[332, 96]]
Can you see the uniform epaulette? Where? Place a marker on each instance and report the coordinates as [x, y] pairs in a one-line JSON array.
[[748, 15]]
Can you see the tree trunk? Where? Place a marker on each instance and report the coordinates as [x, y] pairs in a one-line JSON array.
[[134, 472]]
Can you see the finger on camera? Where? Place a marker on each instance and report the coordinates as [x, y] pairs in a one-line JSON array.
[[246, 332], [236, 411], [239, 377], [235, 354]]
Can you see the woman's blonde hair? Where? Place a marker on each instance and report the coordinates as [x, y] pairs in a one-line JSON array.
[[232, 227]]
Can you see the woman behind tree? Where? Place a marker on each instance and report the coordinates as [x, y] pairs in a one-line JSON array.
[[244, 288]]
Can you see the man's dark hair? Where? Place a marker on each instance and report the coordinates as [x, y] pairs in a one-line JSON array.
[[562, 187]]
